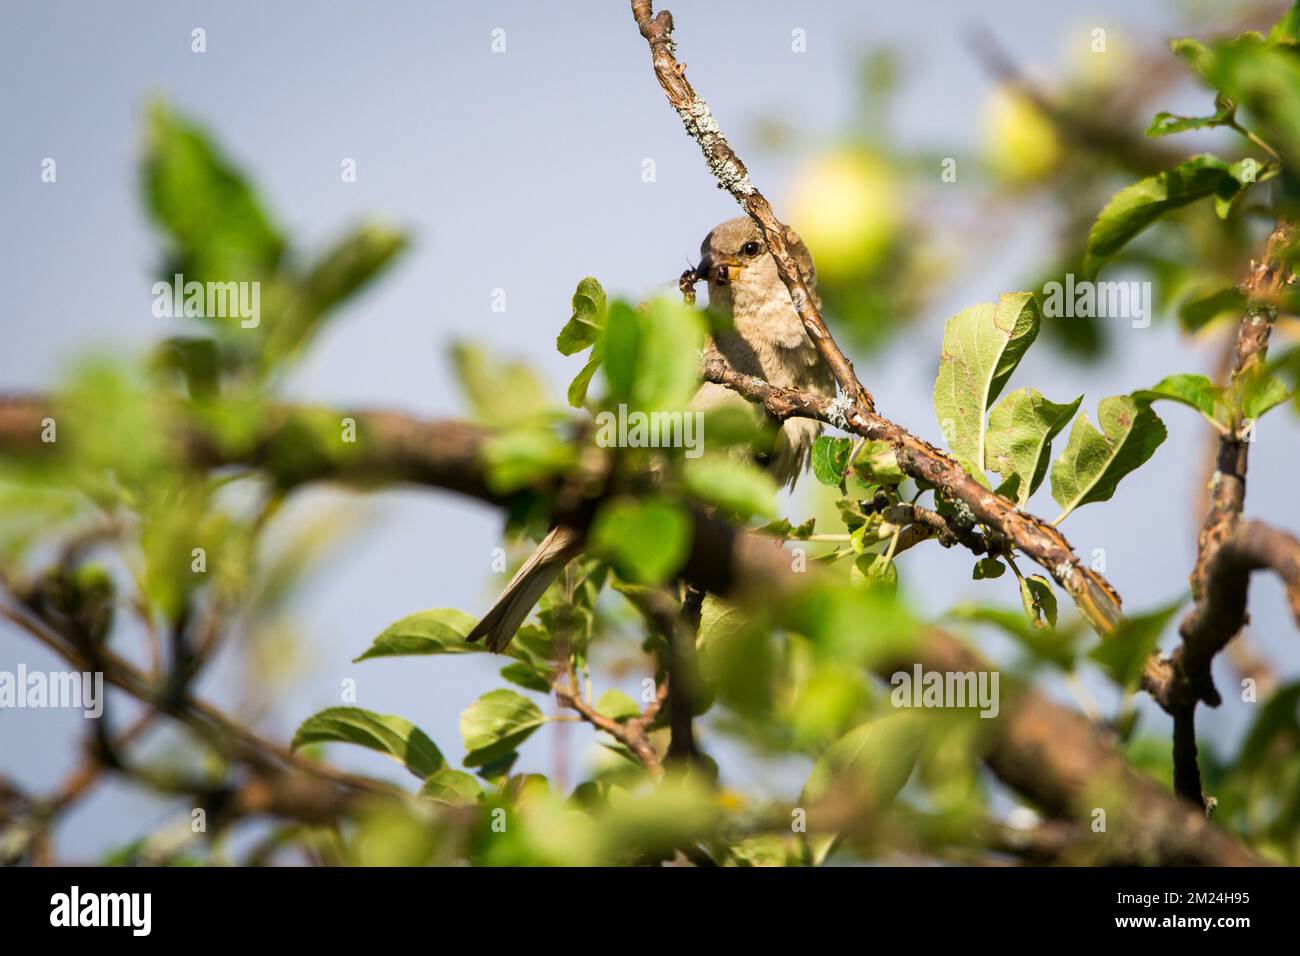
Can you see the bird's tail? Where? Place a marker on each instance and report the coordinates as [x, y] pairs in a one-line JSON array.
[[525, 589]]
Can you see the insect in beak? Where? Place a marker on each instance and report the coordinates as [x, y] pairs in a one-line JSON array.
[[717, 271]]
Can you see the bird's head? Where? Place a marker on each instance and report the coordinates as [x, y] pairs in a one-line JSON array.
[[735, 263]]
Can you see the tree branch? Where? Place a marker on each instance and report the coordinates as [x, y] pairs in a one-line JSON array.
[[732, 176], [855, 410], [1227, 550], [1093, 596], [1038, 748]]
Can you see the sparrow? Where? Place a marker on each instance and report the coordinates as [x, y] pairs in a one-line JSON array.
[[759, 333]]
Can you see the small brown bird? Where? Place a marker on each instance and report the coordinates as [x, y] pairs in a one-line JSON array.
[[764, 337]]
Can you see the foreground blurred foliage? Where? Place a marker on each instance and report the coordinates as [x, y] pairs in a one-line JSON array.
[[122, 523]]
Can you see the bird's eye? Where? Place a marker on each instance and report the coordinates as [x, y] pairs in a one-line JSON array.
[[750, 248]]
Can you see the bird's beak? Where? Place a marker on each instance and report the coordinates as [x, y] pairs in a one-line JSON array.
[[717, 270]]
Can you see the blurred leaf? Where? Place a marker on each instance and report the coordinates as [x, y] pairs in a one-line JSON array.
[[782, 528], [1094, 461], [1208, 302], [526, 456], [1287, 27], [876, 571], [527, 676], [616, 705], [452, 788], [195, 359], [437, 631], [499, 393], [1263, 78], [645, 540], [1047, 644], [766, 849], [1277, 721], [982, 345], [652, 354], [1258, 390], [1136, 207], [870, 763], [1123, 653], [622, 343], [1196, 53], [495, 724], [215, 223], [1165, 124], [1019, 443], [738, 487], [351, 263], [668, 354], [390, 735]]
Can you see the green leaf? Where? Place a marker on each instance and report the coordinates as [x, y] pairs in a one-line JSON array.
[[1124, 652], [645, 540], [1039, 600], [718, 621], [876, 463], [217, 227], [577, 390], [1258, 390], [622, 343], [437, 631], [527, 676], [496, 724], [875, 571], [1209, 301], [395, 736], [652, 353], [981, 347], [871, 763], [1196, 53], [1263, 79], [1279, 717], [499, 393], [452, 788], [351, 263], [1019, 443], [1136, 207], [668, 355], [526, 456], [616, 705], [830, 459], [1094, 461], [987, 569], [1045, 643], [782, 528], [738, 487], [1165, 124], [1287, 27], [1194, 391], [588, 320]]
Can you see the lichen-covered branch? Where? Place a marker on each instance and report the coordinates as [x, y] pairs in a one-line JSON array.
[[855, 410], [731, 174], [1093, 596], [1228, 550]]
